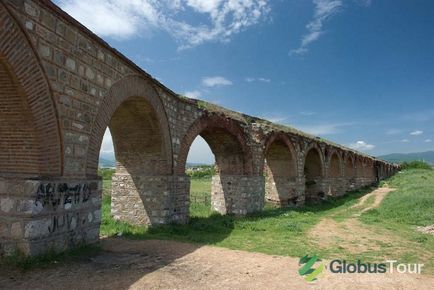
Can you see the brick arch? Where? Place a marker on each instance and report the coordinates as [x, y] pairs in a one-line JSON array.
[[280, 168], [30, 139], [359, 166], [314, 173], [335, 165], [281, 143], [131, 96], [226, 140], [311, 148], [350, 169]]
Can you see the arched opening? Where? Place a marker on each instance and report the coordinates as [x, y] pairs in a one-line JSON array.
[[335, 175], [137, 139], [139, 185], [370, 171], [359, 172], [232, 163], [314, 174], [142, 185], [200, 167], [335, 166], [280, 170]]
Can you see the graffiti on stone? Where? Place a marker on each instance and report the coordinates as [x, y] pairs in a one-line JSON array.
[[68, 220], [63, 194]]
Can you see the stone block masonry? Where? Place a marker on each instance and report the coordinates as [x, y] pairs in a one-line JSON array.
[[61, 87], [36, 215]]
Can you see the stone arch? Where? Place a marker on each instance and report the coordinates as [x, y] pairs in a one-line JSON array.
[[359, 166], [369, 169], [314, 173], [135, 115], [227, 142], [334, 174], [30, 139], [335, 165], [234, 188], [133, 104], [281, 170], [350, 167]]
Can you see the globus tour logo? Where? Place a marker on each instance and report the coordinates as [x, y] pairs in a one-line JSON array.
[[312, 267], [391, 266]]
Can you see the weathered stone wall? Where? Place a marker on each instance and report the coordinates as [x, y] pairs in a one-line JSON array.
[[39, 215], [61, 87], [144, 200], [234, 194]]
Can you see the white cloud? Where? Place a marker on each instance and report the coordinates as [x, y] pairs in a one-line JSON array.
[[323, 129], [405, 141], [428, 140], [324, 9], [251, 80], [416, 133], [215, 81], [193, 94], [129, 18], [361, 145]]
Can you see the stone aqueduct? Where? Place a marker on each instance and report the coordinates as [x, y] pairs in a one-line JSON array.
[[60, 88]]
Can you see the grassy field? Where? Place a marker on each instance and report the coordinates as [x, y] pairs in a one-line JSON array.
[[200, 197], [288, 232]]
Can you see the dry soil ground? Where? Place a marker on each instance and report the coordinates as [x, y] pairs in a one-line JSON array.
[[172, 265], [156, 264]]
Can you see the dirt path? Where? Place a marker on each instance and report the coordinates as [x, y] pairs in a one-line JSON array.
[[350, 234], [172, 265], [379, 194]]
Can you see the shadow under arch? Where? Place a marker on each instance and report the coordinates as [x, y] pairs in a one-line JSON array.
[[281, 171], [142, 184], [335, 175], [146, 99], [314, 174], [234, 188], [31, 145]]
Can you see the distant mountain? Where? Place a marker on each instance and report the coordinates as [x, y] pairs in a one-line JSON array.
[[427, 156], [107, 160]]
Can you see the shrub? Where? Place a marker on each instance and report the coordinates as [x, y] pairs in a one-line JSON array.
[[106, 173], [201, 171], [416, 164]]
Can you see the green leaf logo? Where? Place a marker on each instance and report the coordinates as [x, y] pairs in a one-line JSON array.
[[310, 274]]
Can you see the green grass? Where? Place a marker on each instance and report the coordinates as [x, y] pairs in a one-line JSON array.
[[285, 231], [272, 231], [411, 204], [200, 190]]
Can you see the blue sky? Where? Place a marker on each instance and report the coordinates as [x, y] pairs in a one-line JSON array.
[[357, 72]]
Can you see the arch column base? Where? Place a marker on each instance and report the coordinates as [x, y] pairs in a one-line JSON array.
[[315, 190], [150, 200], [38, 216], [284, 192], [237, 194], [336, 186]]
